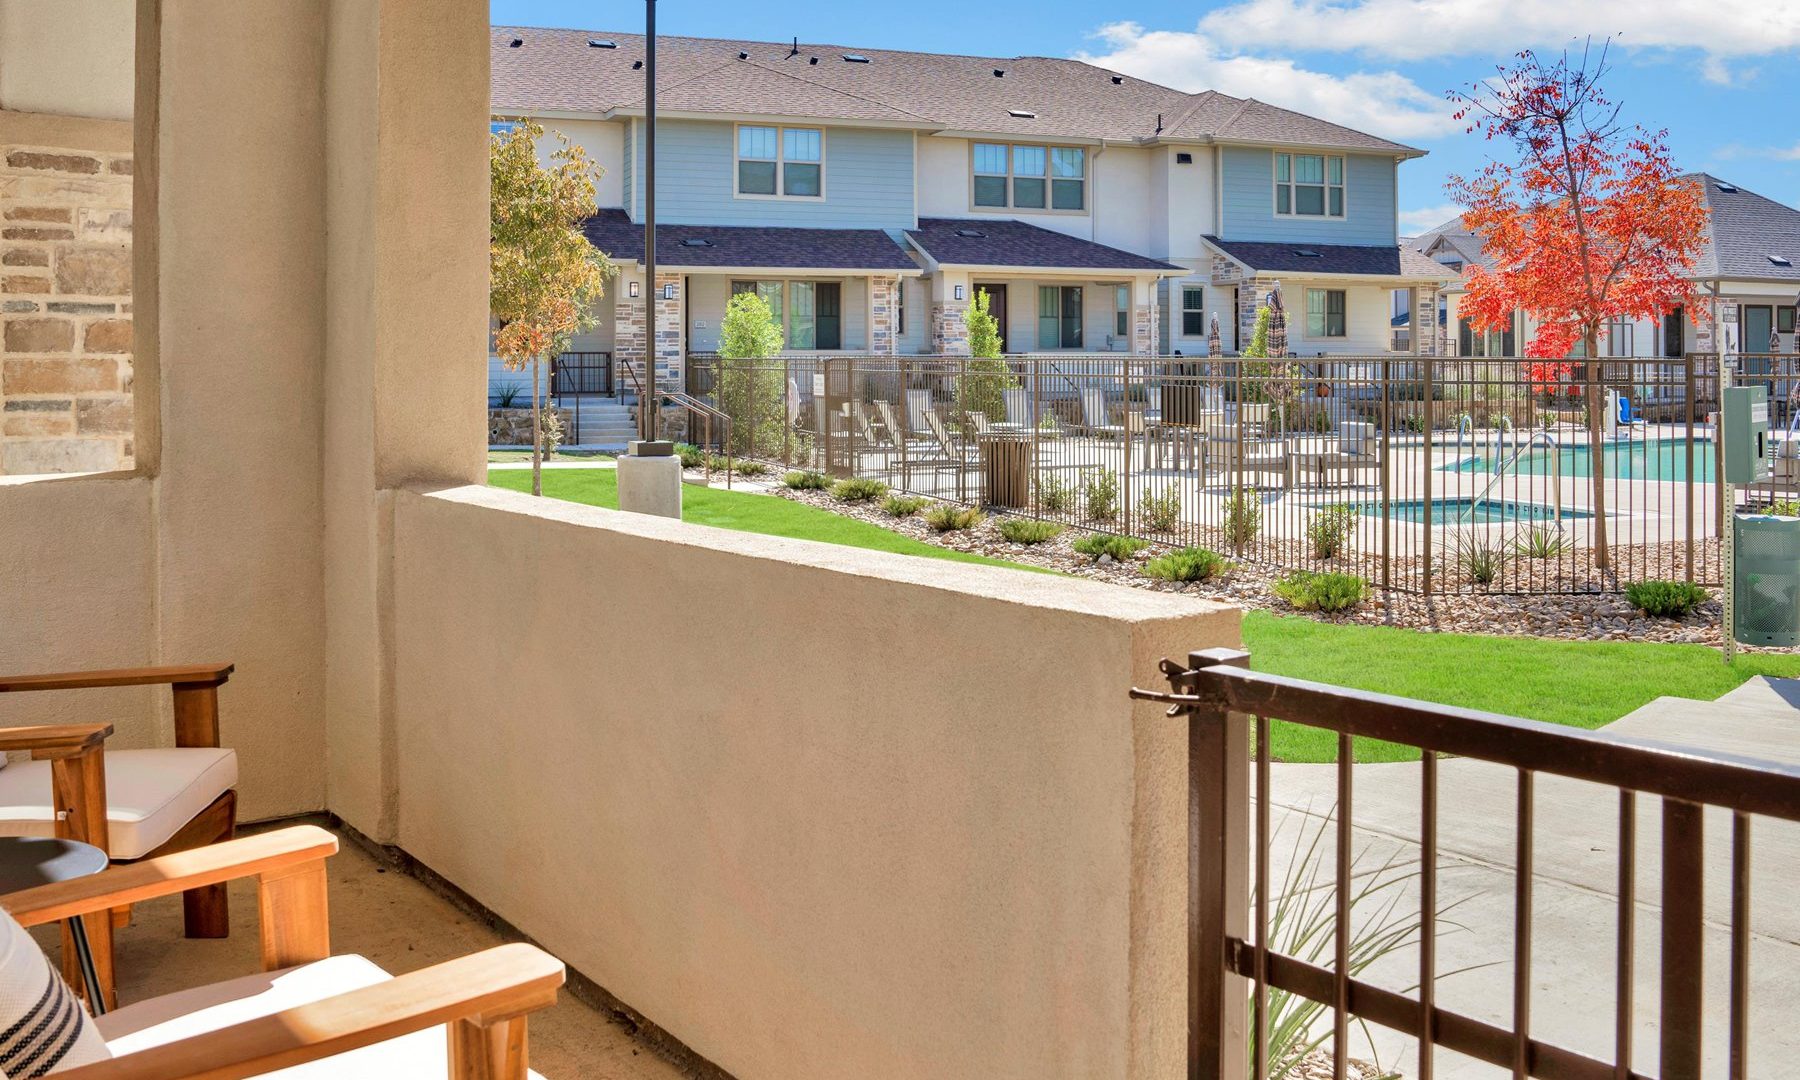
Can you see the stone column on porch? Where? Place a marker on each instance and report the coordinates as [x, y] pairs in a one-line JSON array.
[[630, 335], [1426, 332], [884, 302], [1250, 293], [1143, 318], [670, 359]]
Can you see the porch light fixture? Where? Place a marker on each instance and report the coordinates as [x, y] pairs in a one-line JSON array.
[[668, 290], [959, 292], [633, 291]]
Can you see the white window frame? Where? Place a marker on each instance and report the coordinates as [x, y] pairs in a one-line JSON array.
[[1276, 184], [780, 160], [1182, 309], [1122, 312], [1306, 313], [1048, 176], [784, 288]]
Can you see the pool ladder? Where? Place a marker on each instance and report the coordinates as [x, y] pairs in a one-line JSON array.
[[1543, 437]]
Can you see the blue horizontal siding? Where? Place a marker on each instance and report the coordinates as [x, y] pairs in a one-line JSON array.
[[1248, 196], [868, 180]]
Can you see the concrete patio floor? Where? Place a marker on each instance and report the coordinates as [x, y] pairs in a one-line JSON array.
[[401, 924], [1575, 904]]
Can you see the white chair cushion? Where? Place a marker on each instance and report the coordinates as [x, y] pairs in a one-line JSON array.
[[188, 1013], [149, 795]]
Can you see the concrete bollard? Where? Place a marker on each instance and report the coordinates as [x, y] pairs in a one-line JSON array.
[[650, 479]]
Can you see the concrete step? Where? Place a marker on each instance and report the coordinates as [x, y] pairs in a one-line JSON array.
[[1758, 725]]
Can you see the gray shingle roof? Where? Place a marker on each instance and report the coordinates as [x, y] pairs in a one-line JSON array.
[[559, 70], [1743, 230], [749, 246], [1005, 242], [1398, 260]]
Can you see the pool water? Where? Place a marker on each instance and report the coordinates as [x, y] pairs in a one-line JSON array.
[[1457, 511], [1638, 459]]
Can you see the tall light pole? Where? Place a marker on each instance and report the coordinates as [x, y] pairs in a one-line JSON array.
[[648, 406]]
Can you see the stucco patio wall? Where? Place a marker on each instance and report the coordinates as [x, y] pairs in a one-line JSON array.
[[816, 811]]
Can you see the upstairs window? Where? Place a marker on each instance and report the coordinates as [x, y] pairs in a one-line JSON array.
[[777, 162], [1309, 185], [1325, 313], [1027, 177], [1193, 311]]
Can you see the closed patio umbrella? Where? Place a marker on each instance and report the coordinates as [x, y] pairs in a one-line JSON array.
[[1278, 343], [1213, 345]]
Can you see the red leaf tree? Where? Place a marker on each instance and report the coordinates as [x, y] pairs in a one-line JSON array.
[[1588, 223]]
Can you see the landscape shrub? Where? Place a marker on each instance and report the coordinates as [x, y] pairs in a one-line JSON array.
[[1094, 545], [1329, 531], [900, 506], [1160, 511], [1481, 561], [858, 489], [1665, 599], [1100, 494], [1055, 495], [1187, 564], [1541, 544], [749, 467], [948, 518], [1784, 508], [1029, 530], [806, 480], [1330, 593], [1243, 519], [692, 457]]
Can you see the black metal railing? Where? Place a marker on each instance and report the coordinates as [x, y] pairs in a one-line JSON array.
[[1233, 966], [581, 373]]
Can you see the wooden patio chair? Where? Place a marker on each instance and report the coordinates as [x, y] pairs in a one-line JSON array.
[[157, 801], [463, 1019], [1359, 451]]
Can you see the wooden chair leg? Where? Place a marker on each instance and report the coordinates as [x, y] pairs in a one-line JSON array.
[[495, 1051], [205, 911], [78, 792]]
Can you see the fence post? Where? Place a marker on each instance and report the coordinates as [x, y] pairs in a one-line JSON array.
[[1425, 565], [1387, 466], [1688, 398], [1125, 471], [787, 422], [1218, 877]]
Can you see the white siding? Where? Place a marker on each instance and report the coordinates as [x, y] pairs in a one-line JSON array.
[[1368, 311], [604, 141], [1192, 206]]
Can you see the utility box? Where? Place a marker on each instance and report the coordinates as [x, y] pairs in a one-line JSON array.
[[1744, 434], [1766, 580]]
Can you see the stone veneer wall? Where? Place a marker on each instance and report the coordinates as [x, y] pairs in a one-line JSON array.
[[1425, 319], [884, 303], [1143, 329], [949, 333], [65, 310]]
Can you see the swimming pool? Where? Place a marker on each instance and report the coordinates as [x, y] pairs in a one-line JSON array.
[[1457, 511], [1637, 459]]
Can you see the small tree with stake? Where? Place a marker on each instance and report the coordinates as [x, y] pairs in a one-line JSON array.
[[543, 276], [986, 377], [1591, 222]]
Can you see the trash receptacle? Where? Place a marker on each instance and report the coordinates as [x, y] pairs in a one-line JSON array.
[[1005, 469], [1767, 580]]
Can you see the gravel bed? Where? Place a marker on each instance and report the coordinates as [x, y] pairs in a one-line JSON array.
[[1582, 616]]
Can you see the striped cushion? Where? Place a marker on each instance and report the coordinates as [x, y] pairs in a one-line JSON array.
[[43, 1028]]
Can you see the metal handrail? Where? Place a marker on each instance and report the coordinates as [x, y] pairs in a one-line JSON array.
[[1500, 473], [693, 407]]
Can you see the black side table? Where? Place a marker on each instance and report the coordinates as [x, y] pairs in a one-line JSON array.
[[30, 861]]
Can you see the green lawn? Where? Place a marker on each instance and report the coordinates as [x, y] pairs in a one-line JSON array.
[[1580, 683], [739, 510]]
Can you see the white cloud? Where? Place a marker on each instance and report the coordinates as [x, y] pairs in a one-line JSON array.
[[1382, 103], [1414, 222], [1413, 29], [1738, 151]]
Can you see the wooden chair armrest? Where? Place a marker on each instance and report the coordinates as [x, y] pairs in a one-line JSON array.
[[493, 987], [144, 676], [270, 854], [54, 740]]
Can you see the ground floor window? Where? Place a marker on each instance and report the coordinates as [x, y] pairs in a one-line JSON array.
[[810, 312], [1059, 317], [900, 308], [1122, 311], [1674, 332], [1489, 343], [1193, 311], [1325, 313]]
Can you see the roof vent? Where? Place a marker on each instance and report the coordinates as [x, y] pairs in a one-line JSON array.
[[1729, 189], [515, 43], [1022, 114], [855, 58], [1307, 253], [636, 64], [1781, 260], [999, 73], [813, 61], [696, 242], [1118, 80], [973, 234], [598, 43]]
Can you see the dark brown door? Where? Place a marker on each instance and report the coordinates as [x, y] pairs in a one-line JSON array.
[[996, 308]]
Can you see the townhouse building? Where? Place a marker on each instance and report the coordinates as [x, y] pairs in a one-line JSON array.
[[869, 194]]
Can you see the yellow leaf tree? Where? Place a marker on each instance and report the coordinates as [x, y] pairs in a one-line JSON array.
[[544, 277]]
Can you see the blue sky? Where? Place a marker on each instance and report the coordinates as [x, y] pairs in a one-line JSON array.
[[1710, 71]]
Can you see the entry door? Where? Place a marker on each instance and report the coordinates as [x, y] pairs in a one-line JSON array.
[[1753, 344], [830, 316], [996, 308]]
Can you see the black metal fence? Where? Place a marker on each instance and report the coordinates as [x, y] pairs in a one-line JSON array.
[[1421, 474]]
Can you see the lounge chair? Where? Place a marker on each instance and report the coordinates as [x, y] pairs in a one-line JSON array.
[[462, 1019], [978, 420], [1358, 451], [1094, 420], [951, 449], [1227, 453], [918, 403]]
